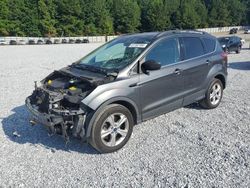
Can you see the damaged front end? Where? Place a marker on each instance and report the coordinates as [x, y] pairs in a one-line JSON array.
[[57, 102]]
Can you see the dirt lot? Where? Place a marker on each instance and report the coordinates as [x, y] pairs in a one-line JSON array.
[[189, 147]]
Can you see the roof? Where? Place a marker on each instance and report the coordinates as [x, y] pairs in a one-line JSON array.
[[156, 35]]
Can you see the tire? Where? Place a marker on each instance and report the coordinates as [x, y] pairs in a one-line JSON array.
[[238, 50], [213, 99], [114, 136]]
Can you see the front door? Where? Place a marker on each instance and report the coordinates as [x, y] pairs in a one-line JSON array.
[[161, 90]]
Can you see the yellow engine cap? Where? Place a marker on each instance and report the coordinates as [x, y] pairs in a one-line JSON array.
[[49, 82], [73, 88]]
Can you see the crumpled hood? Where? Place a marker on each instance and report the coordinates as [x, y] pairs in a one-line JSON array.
[[92, 77], [75, 81], [70, 75]]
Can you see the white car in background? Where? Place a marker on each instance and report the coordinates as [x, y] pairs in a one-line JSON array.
[[3, 42], [247, 31], [21, 42]]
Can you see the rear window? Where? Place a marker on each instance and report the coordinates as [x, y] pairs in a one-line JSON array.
[[210, 44], [192, 47]]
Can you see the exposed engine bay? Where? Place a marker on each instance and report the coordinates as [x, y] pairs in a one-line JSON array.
[[57, 102]]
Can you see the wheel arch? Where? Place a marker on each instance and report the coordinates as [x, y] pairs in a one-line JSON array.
[[130, 107], [218, 71], [222, 79], [126, 102]]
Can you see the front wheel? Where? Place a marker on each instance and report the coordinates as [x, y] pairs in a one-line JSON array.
[[213, 95], [112, 128]]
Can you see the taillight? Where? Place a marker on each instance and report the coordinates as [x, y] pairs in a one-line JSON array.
[[224, 56]]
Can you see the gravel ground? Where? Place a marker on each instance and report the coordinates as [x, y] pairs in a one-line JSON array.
[[189, 147]]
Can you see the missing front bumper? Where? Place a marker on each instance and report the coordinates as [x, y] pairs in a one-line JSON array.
[[60, 122], [43, 118]]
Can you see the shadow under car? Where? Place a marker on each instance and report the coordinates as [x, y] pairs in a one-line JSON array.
[[18, 129]]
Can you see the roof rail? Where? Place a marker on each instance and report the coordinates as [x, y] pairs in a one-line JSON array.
[[190, 31], [178, 31]]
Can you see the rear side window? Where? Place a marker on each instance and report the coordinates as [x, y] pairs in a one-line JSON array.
[[210, 44], [237, 39], [233, 39], [192, 47]]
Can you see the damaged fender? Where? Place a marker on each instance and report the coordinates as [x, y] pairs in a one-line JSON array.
[[102, 97]]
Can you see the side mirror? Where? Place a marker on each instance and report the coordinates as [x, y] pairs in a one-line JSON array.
[[150, 65]]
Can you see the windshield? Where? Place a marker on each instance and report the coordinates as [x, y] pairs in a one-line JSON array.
[[118, 53]]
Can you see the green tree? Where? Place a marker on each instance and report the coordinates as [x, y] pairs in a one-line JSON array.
[[174, 12], [201, 12], [190, 18], [126, 14], [22, 18], [155, 16], [68, 17], [46, 22], [188, 14], [237, 11], [16, 17], [4, 14], [97, 18], [29, 22], [247, 13], [219, 15]]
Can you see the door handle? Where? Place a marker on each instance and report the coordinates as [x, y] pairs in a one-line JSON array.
[[134, 85], [208, 62], [177, 71]]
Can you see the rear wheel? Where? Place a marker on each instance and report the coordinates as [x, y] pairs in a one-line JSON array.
[[238, 50], [112, 128], [213, 95]]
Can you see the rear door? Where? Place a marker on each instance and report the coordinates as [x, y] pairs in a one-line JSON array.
[[195, 71]]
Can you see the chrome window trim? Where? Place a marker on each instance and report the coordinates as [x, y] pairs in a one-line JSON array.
[[141, 57]]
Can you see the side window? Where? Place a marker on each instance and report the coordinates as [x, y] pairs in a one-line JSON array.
[[210, 44], [165, 52], [193, 47]]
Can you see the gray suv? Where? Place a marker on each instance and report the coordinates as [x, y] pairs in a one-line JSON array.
[[127, 81]]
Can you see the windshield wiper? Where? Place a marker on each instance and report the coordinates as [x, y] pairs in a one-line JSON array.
[[114, 72], [89, 67]]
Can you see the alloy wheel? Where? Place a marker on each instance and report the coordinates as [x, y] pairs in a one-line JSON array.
[[215, 94], [114, 129]]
